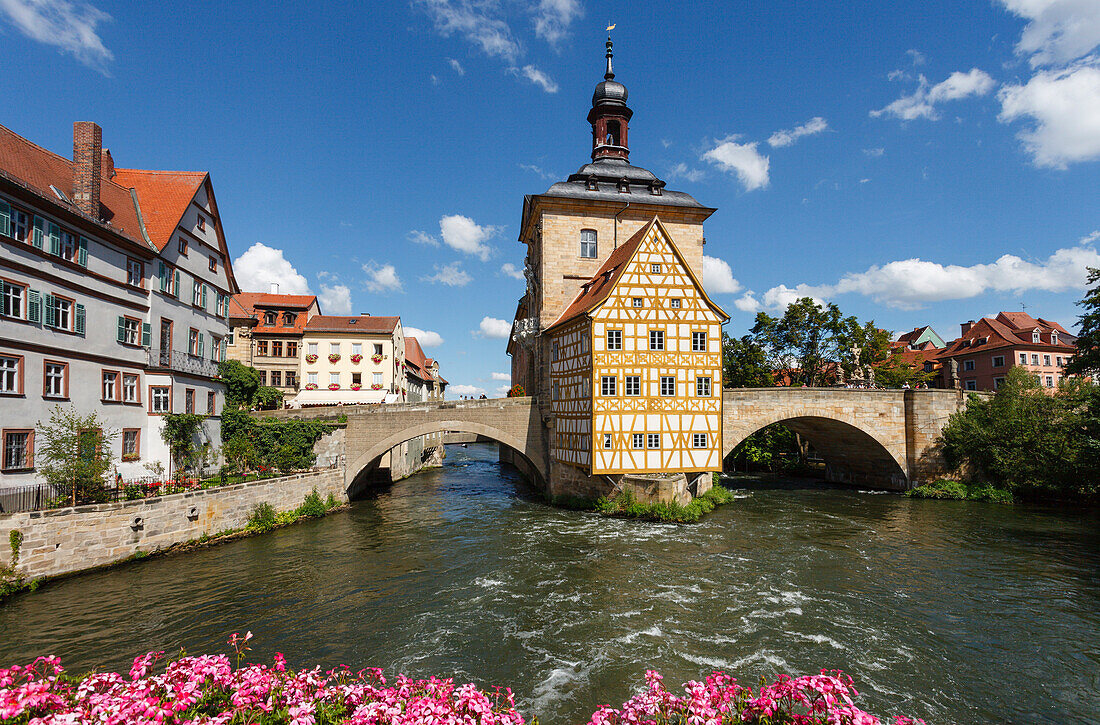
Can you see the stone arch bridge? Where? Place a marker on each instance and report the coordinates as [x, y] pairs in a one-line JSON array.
[[874, 438]]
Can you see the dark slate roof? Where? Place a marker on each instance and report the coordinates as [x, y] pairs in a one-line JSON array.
[[608, 173]]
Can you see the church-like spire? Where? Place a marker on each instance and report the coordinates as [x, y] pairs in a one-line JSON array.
[[609, 115], [609, 74]]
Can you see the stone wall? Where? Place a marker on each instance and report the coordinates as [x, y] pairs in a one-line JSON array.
[[63, 541]]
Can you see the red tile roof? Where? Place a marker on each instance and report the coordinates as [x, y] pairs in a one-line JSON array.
[[999, 333], [163, 197], [254, 304], [363, 323]]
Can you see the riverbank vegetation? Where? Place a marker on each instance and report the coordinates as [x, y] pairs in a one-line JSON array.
[[264, 517], [944, 488], [625, 505], [219, 689]]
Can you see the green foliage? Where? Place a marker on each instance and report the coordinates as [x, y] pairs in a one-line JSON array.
[[959, 491], [262, 518], [240, 381], [181, 433], [268, 398], [74, 454], [625, 505], [283, 444], [774, 448], [1035, 444], [240, 454], [313, 505], [893, 373], [745, 363], [10, 580], [516, 391], [1086, 361]]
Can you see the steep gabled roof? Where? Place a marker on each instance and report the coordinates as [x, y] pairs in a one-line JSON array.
[[254, 304], [163, 196], [596, 290], [366, 324]]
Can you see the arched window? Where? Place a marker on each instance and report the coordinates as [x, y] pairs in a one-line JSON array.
[[1035, 336], [288, 319], [269, 318], [613, 133], [588, 243]]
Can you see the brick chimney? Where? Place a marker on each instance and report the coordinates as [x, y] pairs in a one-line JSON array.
[[966, 326], [87, 166], [108, 165]]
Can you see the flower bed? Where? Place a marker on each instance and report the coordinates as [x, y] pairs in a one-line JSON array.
[[375, 386], [311, 358], [311, 386], [356, 358], [377, 358], [334, 357], [356, 386], [334, 386]]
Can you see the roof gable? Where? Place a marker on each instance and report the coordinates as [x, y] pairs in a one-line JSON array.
[[163, 197]]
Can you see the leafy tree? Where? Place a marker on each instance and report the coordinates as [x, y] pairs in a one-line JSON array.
[[894, 373], [803, 341], [275, 443], [240, 453], [268, 398], [240, 381], [873, 344], [769, 448], [744, 363], [1086, 361], [74, 454], [181, 433]]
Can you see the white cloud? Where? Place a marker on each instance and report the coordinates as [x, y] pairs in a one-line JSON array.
[[742, 159], [456, 66], [71, 26], [875, 152], [553, 17], [434, 79], [786, 137], [464, 234], [511, 270], [916, 56], [538, 77], [922, 102], [1063, 108], [502, 390], [335, 300], [537, 170], [717, 277], [426, 338], [261, 266], [778, 298], [474, 22], [506, 377], [747, 303], [864, 180], [418, 237], [381, 278], [465, 390], [451, 275], [494, 328], [1059, 31], [681, 171]]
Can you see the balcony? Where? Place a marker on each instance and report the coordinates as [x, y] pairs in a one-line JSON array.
[[181, 362]]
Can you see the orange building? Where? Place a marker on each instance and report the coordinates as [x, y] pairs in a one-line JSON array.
[[986, 349]]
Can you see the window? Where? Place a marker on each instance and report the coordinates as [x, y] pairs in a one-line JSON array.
[[656, 339], [183, 246], [20, 225], [131, 444], [655, 269], [68, 246], [59, 313], [334, 378], [193, 342], [13, 296], [276, 348], [588, 243], [971, 385], [1023, 358], [55, 379], [356, 378], [632, 385], [270, 318], [638, 302], [1050, 381], [555, 390], [698, 342], [606, 440], [997, 383], [1058, 361], [160, 399], [334, 348], [377, 379], [292, 379], [263, 377], [198, 293], [637, 440], [1034, 359], [189, 401], [1053, 337], [674, 303], [702, 386], [312, 348], [653, 440], [18, 450], [292, 349], [211, 402], [129, 331], [213, 264], [261, 347], [311, 378], [217, 348], [130, 389], [698, 440], [11, 375], [110, 386], [998, 361], [135, 273], [614, 339], [1046, 360], [1036, 336], [668, 385], [377, 348], [288, 319], [968, 365], [277, 378], [356, 348], [607, 385]]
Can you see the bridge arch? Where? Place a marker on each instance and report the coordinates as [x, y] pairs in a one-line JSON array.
[[362, 461]]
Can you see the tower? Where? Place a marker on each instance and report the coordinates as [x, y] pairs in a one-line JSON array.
[[609, 116]]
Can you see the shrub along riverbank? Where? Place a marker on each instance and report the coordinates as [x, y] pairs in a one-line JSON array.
[[960, 491], [626, 506]]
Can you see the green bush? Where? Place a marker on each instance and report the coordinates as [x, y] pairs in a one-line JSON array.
[[283, 444], [262, 518], [625, 505], [958, 491], [313, 505]]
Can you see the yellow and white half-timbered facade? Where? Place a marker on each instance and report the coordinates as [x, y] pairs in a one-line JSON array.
[[636, 366]]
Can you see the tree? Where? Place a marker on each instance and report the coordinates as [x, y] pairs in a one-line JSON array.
[[803, 342], [894, 373], [744, 363], [873, 345], [1086, 361], [240, 381], [268, 398], [180, 432], [74, 454]]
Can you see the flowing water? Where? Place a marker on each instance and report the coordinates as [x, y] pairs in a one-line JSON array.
[[955, 612]]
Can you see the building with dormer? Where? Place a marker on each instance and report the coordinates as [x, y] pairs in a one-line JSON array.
[[265, 333]]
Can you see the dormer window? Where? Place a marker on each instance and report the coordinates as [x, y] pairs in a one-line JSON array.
[[590, 184], [624, 186], [269, 318], [1036, 336], [655, 189], [201, 223], [1053, 337], [288, 319]]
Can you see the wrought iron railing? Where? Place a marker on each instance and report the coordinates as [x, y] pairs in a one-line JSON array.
[[182, 362]]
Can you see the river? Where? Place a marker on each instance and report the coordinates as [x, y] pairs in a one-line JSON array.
[[954, 612]]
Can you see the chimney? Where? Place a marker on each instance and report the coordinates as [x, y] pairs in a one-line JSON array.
[[87, 166], [966, 326], [108, 165], [274, 288]]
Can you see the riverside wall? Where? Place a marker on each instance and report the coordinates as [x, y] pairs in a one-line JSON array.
[[68, 540]]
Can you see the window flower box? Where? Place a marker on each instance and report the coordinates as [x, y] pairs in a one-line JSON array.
[[375, 386], [311, 386], [311, 358], [334, 386], [356, 358], [334, 357], [356, 386], [131, 457], [377, 358]]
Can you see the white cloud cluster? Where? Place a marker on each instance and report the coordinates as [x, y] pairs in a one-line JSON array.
[[786, 137], [743, 160], [1063, 108], [717, 277], [451, 275], [464, 234], [426, 338], [501, 376], [335, 300], [456, 66], [1058, 31], [261, 266], [494, 328], [475, 22], [682, 171], [536, 76], [511, 270], [71, 26], [464, 389], [923, 101], [381, 278], [418, 237], [553, 17]]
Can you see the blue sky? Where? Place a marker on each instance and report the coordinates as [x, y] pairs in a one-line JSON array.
[[914, 162]]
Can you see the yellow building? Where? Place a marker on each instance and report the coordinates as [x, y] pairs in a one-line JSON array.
[[350, 360], [636, 366]]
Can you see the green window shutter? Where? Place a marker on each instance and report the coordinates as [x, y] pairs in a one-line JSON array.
[[5, 219], [55, 238], [201, 337], [176, 286], [223, 350], [39, 225], [204, 297], [146, 334], [82, 253], [78, 320], [121, 328], [51, 312], [163, 270], [34, 306]]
